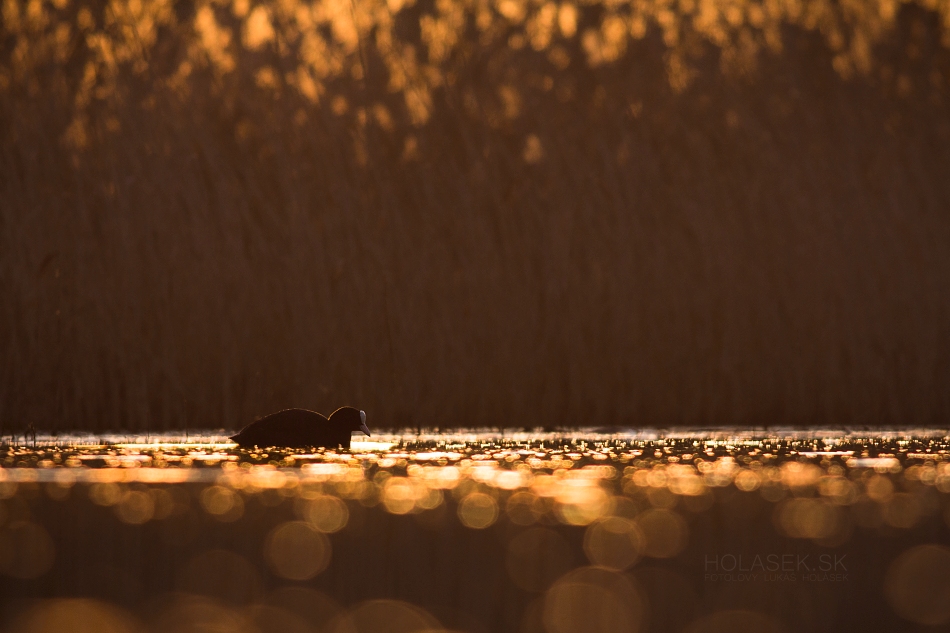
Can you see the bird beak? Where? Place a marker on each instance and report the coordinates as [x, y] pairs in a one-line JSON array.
[[363, 427]]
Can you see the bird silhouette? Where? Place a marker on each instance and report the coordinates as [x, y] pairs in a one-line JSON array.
[[299, 428]]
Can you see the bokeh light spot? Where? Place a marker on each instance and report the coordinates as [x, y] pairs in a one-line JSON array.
[[187, 613], [581, 502], [917, 585], [222, 503], [810, 518], [135, 508], [327, 514], [478, 510], [399, 495], [593, 600], [105, 493], [297, 551], [392, 616], [614, 542], [76, 616], [524, 508]]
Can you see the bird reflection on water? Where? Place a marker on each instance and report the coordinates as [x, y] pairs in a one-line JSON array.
[[579, 527]]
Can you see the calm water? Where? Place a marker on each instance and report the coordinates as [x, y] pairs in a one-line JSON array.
[[643, 530]]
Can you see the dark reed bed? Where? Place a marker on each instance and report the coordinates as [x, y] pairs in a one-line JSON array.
[[474, 213]]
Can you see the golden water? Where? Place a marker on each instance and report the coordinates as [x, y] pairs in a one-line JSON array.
[[579, 529]]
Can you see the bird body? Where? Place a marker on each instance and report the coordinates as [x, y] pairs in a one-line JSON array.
[[299, 428]]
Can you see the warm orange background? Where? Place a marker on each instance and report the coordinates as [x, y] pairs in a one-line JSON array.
[[468, 212]]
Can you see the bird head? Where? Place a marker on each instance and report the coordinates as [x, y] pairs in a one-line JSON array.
[[352, 419], [363, 427]]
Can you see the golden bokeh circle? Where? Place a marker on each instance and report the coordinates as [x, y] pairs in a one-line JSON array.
[[189, 613], [392, 616], [297, 551], [917, 585], [614, 542], [747, 480], [76, 616], [399, 495], [135, 507], [810, 518], [593, 600], [524, 508], [478, 510], [582, 502], [326, 513], [222, 503], [106, 493]]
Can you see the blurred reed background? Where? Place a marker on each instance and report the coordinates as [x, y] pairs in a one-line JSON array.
[[474, 212]]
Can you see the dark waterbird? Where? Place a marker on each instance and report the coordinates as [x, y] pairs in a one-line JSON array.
[[299, 428]]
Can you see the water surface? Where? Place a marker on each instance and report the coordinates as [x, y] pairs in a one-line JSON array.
[[480, 530]]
